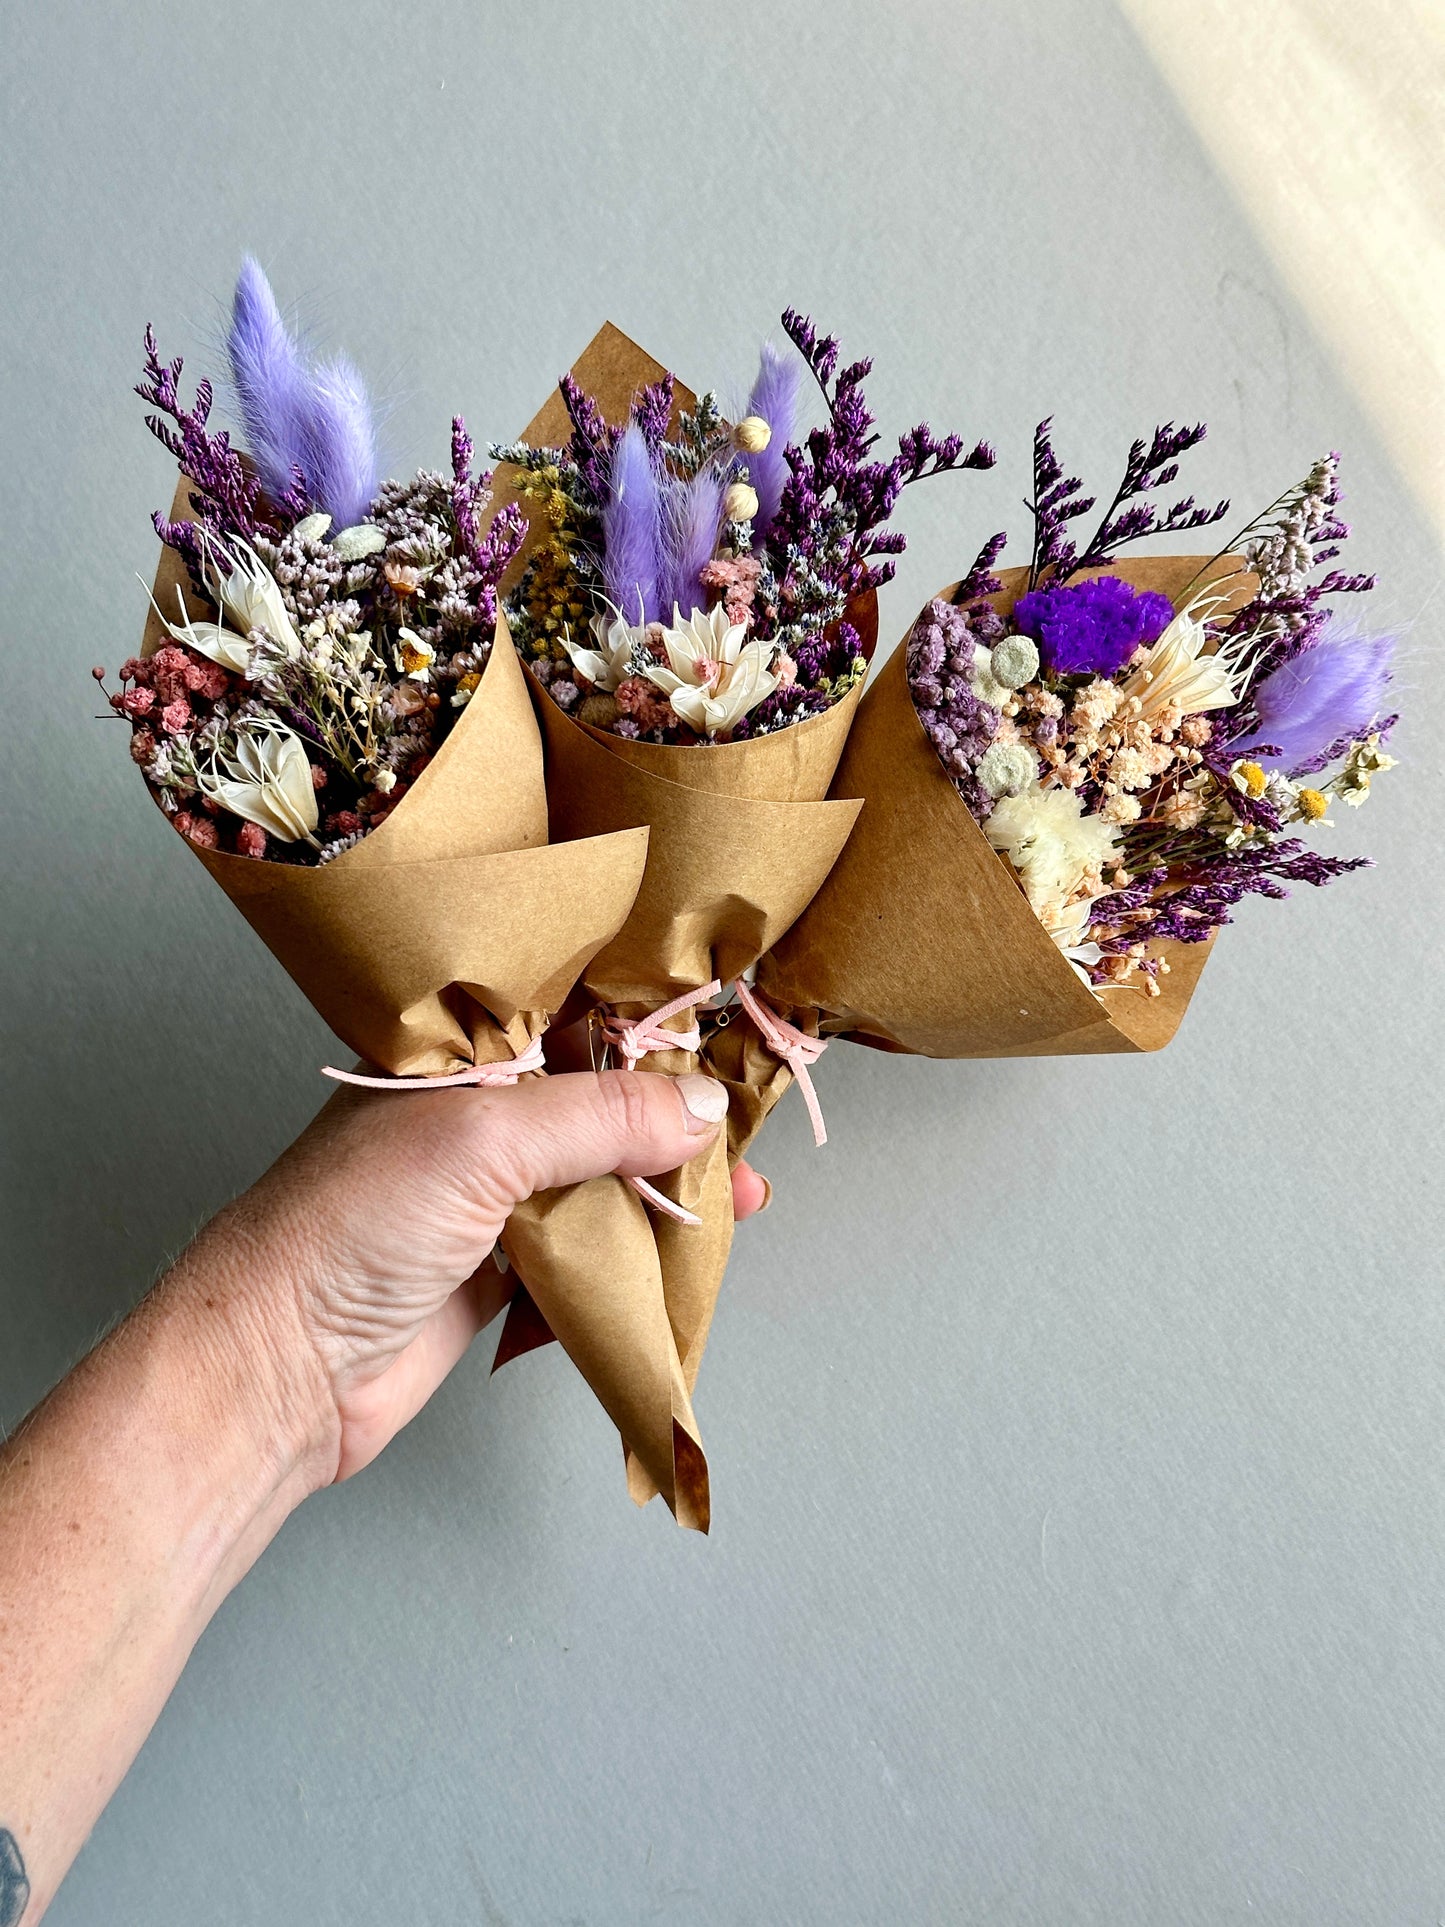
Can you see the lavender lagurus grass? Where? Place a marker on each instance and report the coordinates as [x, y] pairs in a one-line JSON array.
[[1331, 693], [774, 399], [1092, 628], [691, 517], [633, 561], [308, 427]]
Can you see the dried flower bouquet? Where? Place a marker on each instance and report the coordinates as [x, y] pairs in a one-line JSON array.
[[1138, 742]]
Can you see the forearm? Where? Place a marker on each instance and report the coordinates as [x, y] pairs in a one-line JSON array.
[[130, 1503]]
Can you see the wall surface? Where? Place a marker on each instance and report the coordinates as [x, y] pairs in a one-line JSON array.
[[1075, 1426]]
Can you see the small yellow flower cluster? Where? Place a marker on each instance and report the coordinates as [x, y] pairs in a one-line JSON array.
[[556, 601]]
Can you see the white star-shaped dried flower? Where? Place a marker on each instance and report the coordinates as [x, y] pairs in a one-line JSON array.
[[263, 776], [712, 677], [611, 661]]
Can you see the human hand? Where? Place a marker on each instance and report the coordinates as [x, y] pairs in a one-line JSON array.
[[362, 1259]]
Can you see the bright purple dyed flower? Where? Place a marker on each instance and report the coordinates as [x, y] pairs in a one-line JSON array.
[[1092, 628], [1331, 692]]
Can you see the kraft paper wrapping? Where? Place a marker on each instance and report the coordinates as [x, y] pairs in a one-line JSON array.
[[449, 936], [740, 838], [921, 939]]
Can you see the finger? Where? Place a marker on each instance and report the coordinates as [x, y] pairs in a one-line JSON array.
[[562, 1130], [751, 1192]]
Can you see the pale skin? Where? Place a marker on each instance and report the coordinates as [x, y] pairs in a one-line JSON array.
[[305, 1326]]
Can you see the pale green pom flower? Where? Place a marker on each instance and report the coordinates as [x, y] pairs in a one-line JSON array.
[[354, 544], [1007, 769], [1014, 661]]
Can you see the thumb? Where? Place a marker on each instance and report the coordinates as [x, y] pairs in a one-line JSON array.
[[561, 1130]]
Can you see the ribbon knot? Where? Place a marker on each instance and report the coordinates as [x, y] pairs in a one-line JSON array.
[[633, 1040], [795, 1047], [490, 1077]]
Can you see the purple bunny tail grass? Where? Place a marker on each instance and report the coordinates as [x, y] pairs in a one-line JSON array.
[[270, 380], [1329, 693], [339, 452], [632, 564], [775, 398], [692, 517]]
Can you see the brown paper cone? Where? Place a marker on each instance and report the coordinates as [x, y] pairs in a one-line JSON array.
[[921, 939], [740, 838], [447, 935]]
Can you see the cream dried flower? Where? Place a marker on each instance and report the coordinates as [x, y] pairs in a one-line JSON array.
[[1120, 807], [246, 591], [1095, 705], [1057, 850], [262, 775], [1014, 661], [712, 677], [1176, 676], [611, 661]]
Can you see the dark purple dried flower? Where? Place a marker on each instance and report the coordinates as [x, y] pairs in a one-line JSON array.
[[1057, 501], [834, 477], [1192, 913], [488, 554], [652, 411], [227, 500], [1092, 628]]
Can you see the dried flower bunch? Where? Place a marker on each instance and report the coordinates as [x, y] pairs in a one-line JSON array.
[[1141, 762], [338, 624], [696, 580]]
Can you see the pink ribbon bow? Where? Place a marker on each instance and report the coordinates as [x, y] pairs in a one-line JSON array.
[[490, 1077], [794, 1046], [634, 1041]]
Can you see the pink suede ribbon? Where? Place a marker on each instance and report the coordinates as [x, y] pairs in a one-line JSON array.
[[794, 1046], [637, 1039], [489, 1077]]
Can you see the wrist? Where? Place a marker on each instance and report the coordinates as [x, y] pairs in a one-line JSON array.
[[236, 1366]]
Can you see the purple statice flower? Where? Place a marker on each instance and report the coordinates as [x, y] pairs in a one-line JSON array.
[[633, 564], [489, 553], [1331, 693], [593, 439], [940, 664], [1092, 628], [691, 518], [775, 399], [980, 579], [227, 499], [1202, 905], [308, 422], [834, 480], [652, 411], [1057, 501]]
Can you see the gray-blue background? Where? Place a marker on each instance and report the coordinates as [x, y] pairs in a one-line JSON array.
[[1075, 1426]]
